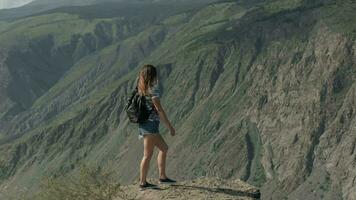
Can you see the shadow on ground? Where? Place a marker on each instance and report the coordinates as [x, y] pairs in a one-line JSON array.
[[226, 191]]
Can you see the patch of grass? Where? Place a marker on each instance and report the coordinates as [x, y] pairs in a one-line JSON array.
[[176, 19], [281, 5], [340, 17]]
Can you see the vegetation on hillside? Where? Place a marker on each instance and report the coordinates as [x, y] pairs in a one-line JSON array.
[[258, 92]]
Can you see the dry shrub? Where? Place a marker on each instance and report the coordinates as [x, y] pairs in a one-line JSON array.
[[90, 184]]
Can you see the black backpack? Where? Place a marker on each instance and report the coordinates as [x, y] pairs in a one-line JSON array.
[[136, 107]]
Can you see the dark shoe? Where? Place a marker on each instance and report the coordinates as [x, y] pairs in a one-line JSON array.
[[167, 181], [147, 186]]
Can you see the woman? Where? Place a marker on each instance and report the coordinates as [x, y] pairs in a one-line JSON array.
[[148, 86]]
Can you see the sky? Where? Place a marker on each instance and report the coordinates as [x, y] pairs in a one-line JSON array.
[[12, 3]]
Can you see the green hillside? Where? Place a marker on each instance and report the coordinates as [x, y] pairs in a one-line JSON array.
[[263, 91]]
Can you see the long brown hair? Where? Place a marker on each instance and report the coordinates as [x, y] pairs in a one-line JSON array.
[[146, 79]]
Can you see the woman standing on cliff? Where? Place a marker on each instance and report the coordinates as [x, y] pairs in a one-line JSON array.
[[148, 130]]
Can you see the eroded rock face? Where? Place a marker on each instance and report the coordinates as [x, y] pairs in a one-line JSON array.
[[312, 109], [265, 98]]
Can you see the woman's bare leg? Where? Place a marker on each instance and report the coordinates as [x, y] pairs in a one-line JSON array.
[[162, 155], [148, 145]]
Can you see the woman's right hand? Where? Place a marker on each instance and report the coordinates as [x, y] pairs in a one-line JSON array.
[[172, 130]]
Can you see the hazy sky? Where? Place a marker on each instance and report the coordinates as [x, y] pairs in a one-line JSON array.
[[12, 3]]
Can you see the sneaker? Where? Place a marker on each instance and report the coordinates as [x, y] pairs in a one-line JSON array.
[[147, 186], [167, 181]]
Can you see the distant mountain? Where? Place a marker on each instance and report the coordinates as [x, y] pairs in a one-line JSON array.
[[262, 91], [39, 6], [131, 15], [4, 4], [56, 3]]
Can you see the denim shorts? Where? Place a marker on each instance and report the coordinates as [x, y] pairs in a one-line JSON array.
[[148, 127]]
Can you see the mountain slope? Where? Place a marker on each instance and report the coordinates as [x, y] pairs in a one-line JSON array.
[[13, 3], [40, 37], [40, 6], [265, 94]]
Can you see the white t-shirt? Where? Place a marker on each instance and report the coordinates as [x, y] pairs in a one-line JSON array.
[[154, 92]]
